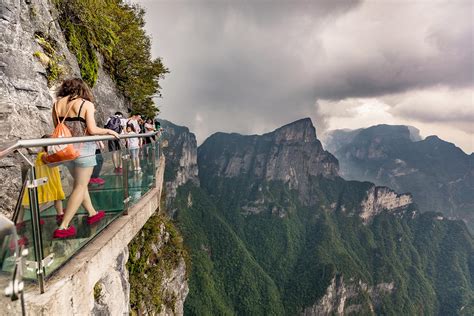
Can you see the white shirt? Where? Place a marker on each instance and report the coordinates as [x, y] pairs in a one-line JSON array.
[[123, 122], [135, 125], [149, 127], [133, 143]]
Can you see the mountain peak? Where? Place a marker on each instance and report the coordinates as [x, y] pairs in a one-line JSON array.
[[291, 154], [298, 131], [386, 132], [433, 138]]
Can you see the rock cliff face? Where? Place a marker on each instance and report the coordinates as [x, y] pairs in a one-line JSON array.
[[342, 298], [439, 175], [158, 278], [111, 293], [181, 159], [291, 154], [25, 97], [381, 198]]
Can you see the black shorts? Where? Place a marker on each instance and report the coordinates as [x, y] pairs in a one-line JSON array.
[[114, 145]]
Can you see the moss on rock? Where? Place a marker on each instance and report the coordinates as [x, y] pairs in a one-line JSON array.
[[49, 58]]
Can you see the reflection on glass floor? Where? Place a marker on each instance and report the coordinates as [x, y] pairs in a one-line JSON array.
[[108, 197], [57, 251]]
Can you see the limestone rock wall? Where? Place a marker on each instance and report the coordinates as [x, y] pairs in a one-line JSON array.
[[344, 298], [157, 268], [112, 292], [25, 98], [382, 198], [175, 286], [181, 159]]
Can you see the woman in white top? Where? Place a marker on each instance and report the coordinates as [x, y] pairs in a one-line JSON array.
[[133, 145]]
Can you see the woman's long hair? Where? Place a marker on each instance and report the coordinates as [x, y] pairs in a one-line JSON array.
[[75, 88]]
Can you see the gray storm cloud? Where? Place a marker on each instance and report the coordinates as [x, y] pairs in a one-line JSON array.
[[250, 66]]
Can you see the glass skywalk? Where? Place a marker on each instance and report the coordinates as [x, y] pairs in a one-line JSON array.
[[121, 189]]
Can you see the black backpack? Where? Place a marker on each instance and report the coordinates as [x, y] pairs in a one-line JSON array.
[[114, 124]]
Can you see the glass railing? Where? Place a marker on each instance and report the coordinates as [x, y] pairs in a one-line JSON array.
[[11, 280], [120, 178]]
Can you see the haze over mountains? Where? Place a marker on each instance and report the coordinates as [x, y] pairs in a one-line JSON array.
[[439, 175], [272, 228]]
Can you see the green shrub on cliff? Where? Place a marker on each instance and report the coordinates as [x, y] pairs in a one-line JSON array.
[[49, 58], [115, 31], [154, 253]]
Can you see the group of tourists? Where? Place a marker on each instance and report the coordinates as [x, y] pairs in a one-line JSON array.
[[73, 112], [135, 124]]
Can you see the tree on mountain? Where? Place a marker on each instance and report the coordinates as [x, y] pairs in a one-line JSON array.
[[115, 30]]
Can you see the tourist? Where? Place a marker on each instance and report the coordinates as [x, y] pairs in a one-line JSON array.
[[133, 145], [134, 119], [95, 178], [52, 190], [157, 124], [74, 105], [149, 128], [114, 123]]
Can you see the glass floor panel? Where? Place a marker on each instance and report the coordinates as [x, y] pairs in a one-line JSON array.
[[58, 251]]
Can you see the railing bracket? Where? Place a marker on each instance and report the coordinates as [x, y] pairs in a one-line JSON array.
[[36, 183], [46, 262]]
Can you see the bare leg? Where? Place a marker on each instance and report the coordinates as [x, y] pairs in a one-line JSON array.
[[87, 204], [114, 160], [58, 205], [117, 159], [81, 180]]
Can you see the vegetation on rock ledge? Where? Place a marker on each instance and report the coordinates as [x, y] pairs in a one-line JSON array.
[[154, 253], [115, 30], [49, 58]]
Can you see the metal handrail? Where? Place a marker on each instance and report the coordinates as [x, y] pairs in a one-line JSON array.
[[41, 142]]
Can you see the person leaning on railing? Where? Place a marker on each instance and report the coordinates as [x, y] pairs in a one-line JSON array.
[[74, 103]]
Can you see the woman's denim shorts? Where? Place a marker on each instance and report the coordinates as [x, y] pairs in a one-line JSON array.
[[86, 155]]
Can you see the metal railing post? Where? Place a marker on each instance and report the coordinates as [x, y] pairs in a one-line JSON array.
[[153, 159], [126, 194], [18, 206], [35, 220]]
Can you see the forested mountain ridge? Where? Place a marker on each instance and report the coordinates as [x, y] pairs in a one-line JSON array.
[[438, 174], [312, 243]]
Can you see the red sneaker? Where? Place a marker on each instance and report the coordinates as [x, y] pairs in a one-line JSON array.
[[20, 225], [99, 181], [95, 218], [21, 242], [64, 233]]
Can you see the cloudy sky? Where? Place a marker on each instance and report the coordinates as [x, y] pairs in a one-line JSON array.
[[252, 66]]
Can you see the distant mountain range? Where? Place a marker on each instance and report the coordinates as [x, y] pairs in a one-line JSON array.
[[272, 229], [439, 175]]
